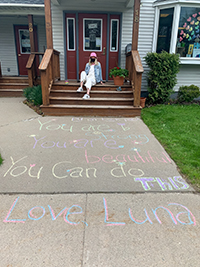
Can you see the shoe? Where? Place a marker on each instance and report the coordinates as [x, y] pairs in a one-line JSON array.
[[86, 96], [80, 89]]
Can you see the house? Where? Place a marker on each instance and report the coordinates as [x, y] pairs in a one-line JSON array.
[[76, 27]]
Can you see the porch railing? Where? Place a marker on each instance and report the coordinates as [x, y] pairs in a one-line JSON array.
[[50, 71], [135, 68], [32, 67]]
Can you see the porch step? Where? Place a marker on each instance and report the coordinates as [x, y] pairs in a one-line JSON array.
[[91, 101], [13, 85], [13, 79], [11, 92], [108, 86], [94, 94], [91, 110]]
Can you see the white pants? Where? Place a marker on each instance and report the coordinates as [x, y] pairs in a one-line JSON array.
[[88, 81]]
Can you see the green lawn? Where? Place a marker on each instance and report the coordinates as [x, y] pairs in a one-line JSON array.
[[177, 127], [1, 160]]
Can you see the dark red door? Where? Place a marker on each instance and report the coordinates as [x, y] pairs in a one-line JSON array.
[[114, 41], [92, 38], [71, 45], [23, 47]]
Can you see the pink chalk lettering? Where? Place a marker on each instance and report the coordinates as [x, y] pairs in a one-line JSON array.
[[9, 214]]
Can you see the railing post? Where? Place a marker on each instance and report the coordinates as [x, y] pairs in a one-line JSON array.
[[137, 90], [45, 86]]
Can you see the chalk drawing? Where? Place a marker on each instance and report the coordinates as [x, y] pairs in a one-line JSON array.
[[20, 170], [186, 220], [106, 216], [55, 127], [122, 126], [164, 184]]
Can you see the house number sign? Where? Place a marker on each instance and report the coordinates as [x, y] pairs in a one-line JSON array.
[[30, 27], [137, 15]]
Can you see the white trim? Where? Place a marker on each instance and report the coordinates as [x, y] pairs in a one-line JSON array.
[[174, 34], [68, 35], [84, 34], [156, 26], [21, 5], [172, 2], [189, 61], [116, 50]]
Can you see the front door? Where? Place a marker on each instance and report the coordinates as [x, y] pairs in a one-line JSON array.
[[93, 33], [23, 47], [92, 38]]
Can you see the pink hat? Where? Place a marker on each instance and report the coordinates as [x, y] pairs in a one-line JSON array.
[[93, 54]]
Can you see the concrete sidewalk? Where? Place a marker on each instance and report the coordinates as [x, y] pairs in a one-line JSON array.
[[91, 192]]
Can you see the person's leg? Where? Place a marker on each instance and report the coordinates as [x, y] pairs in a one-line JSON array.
[[82, 80], [89, 83]]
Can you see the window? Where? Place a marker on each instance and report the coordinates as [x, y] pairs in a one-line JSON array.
[[165, 29], [24, 39], [114, 35], [92, 34], [177, 29], [71, 34], [188, 43]]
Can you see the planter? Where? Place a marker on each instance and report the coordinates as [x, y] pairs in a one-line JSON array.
[[118, 80], [142, 101]]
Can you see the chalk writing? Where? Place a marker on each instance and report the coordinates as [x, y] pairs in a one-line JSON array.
[[37, 213], [164, 185]]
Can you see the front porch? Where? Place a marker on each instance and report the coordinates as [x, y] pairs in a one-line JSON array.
[[62, 99]]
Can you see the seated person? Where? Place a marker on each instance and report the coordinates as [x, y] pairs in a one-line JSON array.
[[91, 76]]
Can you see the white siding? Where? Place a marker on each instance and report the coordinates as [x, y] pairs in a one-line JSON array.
[[58, 36], [7, 40], [189, 74]]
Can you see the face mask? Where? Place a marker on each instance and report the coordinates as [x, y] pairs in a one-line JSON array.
[[92, 60]]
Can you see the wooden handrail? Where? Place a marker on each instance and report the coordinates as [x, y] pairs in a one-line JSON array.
[[30, 61], [137, 62], [134, 65], [50, 70], [46, 59]]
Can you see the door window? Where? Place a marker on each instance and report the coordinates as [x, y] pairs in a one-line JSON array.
[[71, 33], [114, 35], [25, 47], [92, 34]]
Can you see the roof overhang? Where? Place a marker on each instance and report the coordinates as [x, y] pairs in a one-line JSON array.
[[19, 10]]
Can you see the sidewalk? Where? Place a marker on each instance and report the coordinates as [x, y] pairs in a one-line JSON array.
[[91, 192]]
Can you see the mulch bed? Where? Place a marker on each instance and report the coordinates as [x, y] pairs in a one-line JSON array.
[[37, 109]]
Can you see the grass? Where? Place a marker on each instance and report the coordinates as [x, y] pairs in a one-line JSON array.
[[1, 160], [177, 127]]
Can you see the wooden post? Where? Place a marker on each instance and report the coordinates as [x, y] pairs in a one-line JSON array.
[[136, 18], [32, 73], [48, 23], [31, 32]]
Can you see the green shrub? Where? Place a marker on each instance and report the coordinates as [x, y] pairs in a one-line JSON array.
[[1, 160], [162, 76], [188, 93], [33, 94]]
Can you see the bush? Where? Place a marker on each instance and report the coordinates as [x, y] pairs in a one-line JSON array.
[[33, 94], [162, 76], [188, 93]]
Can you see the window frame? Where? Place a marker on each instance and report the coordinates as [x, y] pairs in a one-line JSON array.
[[69, 49], [111, 28], [177, 11], [90, 50]]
